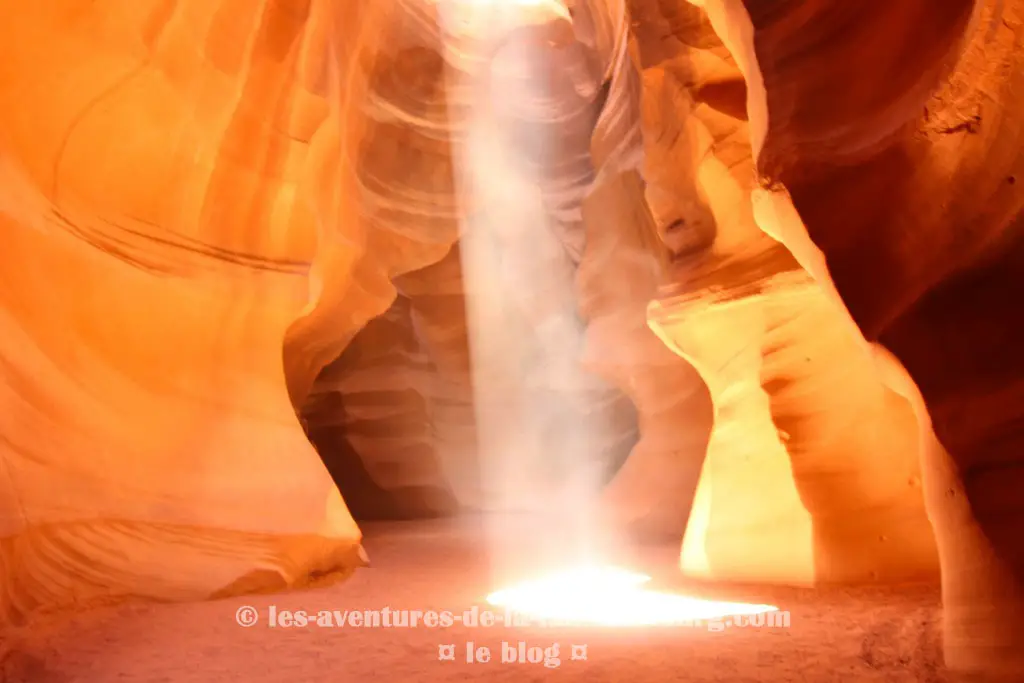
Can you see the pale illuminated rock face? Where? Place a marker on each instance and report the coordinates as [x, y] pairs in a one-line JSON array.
[[225, 221], [902, 169], [811, 471]]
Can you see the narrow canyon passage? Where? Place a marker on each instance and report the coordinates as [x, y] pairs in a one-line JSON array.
[[627, 310]]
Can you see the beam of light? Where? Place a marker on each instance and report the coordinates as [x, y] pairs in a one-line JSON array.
[[538, 440], [537, 437], [609, 596]]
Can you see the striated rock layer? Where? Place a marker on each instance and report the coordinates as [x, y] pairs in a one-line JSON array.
[[219, 215], [392, 418], [811, 473], [901, 168], [177, 189]]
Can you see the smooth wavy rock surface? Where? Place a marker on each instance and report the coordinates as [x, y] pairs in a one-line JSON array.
[[752, 262], [178, 190], [901, 168]]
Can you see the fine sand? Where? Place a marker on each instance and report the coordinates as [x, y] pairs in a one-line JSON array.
[[848, 635]]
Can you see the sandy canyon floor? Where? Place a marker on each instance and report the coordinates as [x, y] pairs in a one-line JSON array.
[[856, 636]]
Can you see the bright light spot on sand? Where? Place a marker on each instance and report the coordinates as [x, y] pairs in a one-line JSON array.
[[607, 596]]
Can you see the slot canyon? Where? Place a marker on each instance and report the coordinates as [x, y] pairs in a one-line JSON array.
[[336, 306]]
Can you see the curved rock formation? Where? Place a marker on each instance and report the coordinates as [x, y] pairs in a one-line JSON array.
[[651, 495], [392, 418], [433, 234], [796, 487], [171, 172], [927, 266]]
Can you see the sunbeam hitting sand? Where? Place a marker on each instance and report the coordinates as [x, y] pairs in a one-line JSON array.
[[523, 170], [609, 596], [561, 294]]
